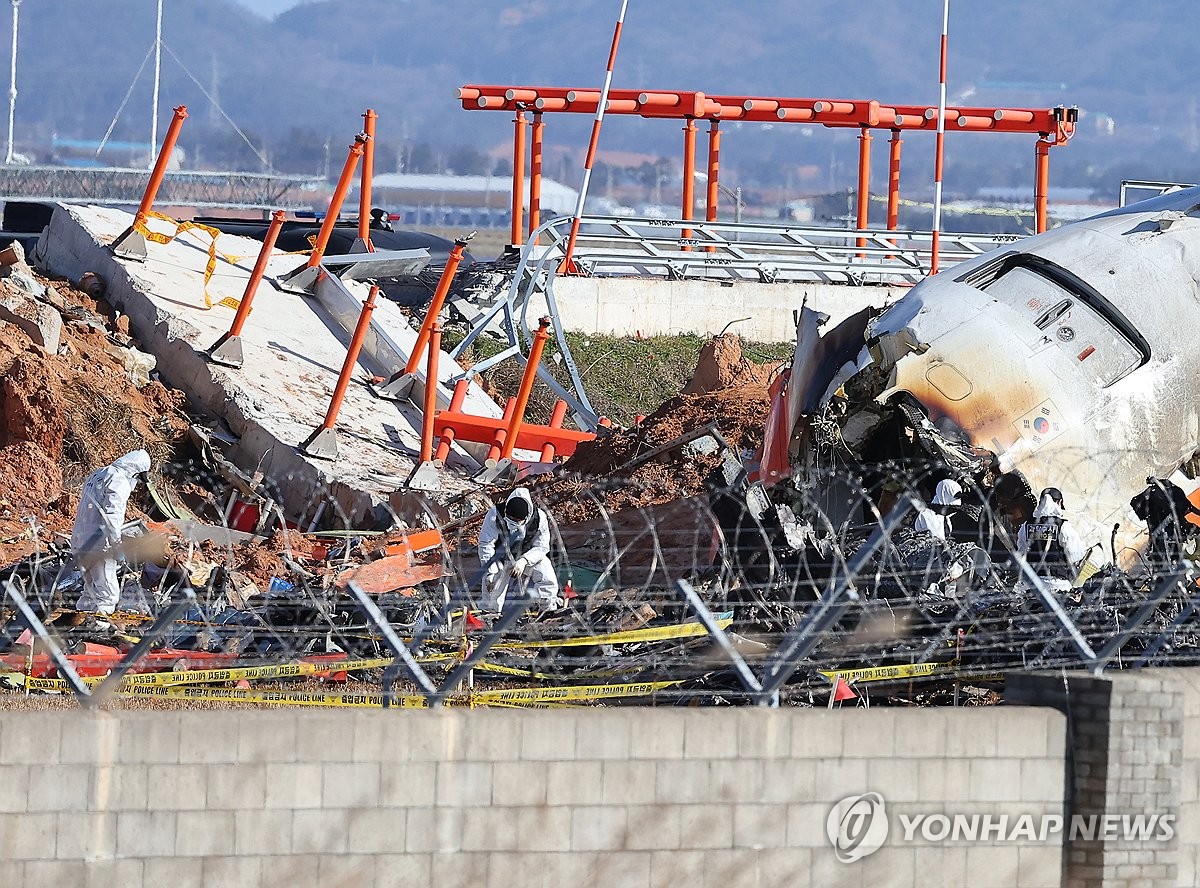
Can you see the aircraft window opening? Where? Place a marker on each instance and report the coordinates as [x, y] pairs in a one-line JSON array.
[[1068, 313]]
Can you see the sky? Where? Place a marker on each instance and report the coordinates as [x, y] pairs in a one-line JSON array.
[[269, 8]]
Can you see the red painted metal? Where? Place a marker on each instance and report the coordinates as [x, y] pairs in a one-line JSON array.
[[160, 166], [447, 438], [893, 208], [535, 174], [256, 276], [435, 305], [713, 195], [497, 439], [368, 173], [487, 430], [518, 176], [429, 406], [1041, 183], [689, 175], [356, 342], [702, 106], [335, 202], [557, 416], [864, 183], [527, 379]]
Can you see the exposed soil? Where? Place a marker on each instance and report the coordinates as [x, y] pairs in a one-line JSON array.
[[63, 416], [737, 406]]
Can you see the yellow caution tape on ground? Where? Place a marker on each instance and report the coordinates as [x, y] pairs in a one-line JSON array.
[[653, 633], [241, 673], [571, 692], [524, 696], [180, 228], [904, 671], [230, 302], [291, 698], [235, 673]]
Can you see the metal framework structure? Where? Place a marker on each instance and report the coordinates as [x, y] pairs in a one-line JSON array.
[[112, 185], [678, 249], [1052, 126]]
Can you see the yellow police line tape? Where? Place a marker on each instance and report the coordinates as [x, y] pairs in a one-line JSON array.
[[522, 696], [630, 636], [905, 671], [236, 673], [296, 670], [180, 228]]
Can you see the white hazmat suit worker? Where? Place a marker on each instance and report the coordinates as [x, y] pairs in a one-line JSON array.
[[1051, 544], [948, 499], [96, 536], [514, 549]]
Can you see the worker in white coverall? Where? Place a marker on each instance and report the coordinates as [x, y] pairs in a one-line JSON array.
[[96, 536], [514, 549], [1051, 544], [947, 499]]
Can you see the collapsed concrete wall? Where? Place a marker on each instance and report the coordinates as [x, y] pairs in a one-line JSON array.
[[613, 796], [294, 347]]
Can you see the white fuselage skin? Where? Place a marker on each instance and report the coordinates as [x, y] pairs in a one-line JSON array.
[[1018, 382]]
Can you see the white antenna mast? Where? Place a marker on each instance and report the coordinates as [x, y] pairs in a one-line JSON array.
[[157, 72], [12, 83]]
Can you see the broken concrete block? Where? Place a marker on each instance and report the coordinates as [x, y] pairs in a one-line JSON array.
[[39, 320]]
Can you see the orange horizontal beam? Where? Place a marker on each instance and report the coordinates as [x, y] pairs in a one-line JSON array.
[[483, 430], [767, 109]]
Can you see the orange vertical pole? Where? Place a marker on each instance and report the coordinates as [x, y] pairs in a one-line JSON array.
[[689, 175], [429, 408], [556, 421], [531, 367], [356, 342], [893, 208], [714, 166], [1041, 182], [493, 453], [368, 173], [447, 436], [339, 197], [518, 182], [435, 305], [256, 276], [939, 144], [160, 166], [864, 183], [535, 174]]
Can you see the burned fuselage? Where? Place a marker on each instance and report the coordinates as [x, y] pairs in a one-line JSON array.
[[1067, 359]]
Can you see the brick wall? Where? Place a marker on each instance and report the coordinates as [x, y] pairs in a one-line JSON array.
[[613, 797]]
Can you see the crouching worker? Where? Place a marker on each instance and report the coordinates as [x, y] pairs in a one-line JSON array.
[[514, 549], [1051, 544], [96, 535]]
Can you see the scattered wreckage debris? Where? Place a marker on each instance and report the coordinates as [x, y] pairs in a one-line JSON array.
[[689, 492]]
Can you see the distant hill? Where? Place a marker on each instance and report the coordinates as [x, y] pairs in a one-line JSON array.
[[300, 81]]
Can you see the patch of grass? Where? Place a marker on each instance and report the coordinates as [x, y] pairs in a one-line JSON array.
[[623, 376]]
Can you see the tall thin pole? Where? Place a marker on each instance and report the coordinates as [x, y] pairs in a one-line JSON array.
[[591, 154], [157, 75], [12, 82], [941, 137]]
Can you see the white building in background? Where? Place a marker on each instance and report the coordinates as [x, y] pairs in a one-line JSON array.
[[427, 199]]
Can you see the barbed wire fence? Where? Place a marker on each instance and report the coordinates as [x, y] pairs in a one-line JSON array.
[[814, 591]]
